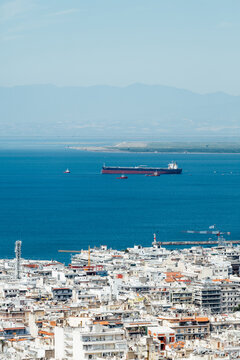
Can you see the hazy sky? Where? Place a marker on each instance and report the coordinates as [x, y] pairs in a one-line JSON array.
[[192, 44]]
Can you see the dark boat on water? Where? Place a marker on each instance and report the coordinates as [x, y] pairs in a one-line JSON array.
[[153, 174], [122, 177], [142, 170]]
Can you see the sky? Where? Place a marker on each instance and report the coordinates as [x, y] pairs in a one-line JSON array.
[[182, 43]]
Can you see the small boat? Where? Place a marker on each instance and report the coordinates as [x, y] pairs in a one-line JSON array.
[[156, 173], [122, 177], [67, 171]]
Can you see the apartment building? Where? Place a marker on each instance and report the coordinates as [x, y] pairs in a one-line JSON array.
[[90, 342], [207, 296]]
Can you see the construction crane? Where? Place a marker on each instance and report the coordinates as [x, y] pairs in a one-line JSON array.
[[80, 251], [70, 251]]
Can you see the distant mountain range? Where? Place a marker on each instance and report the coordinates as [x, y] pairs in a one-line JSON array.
[[130, 111]]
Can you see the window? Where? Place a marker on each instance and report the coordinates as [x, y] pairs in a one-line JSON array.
[[109, 337]]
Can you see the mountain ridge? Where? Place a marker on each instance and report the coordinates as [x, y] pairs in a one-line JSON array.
[[136, 109]]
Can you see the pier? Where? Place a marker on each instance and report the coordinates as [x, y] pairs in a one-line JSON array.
[[207, 242]]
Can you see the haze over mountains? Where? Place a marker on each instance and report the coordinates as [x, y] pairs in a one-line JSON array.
[[130, 111]]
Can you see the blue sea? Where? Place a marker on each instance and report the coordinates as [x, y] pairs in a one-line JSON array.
[[49, 210]]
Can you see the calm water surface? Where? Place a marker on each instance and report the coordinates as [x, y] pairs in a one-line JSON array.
[[49, 210]]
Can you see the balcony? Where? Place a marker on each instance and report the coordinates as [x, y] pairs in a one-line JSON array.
[[96, 342]]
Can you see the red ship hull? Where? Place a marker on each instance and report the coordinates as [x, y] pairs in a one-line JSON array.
[[140, 172]]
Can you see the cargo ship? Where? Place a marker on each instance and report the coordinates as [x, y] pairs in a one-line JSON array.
[[142, 170]]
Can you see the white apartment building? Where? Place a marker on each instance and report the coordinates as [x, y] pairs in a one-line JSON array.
[[90, 342]]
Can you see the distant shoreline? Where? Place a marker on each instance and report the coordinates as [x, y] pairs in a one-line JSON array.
[[133, 151]]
